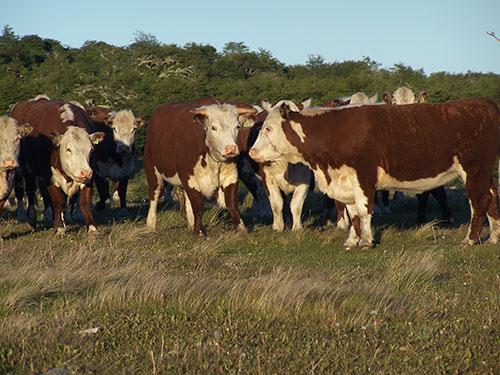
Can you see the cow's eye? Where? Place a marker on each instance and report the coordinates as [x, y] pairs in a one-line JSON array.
[[68, 150], [267, 129], [115, 130], [214, 128], [238, 126]]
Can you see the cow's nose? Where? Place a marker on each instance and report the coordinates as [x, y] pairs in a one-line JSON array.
[[231, 150], [9, 163], [253, 154], [86, 174]]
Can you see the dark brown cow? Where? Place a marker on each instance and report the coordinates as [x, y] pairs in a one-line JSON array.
[[57, 154], [416, 147], [194, 147], [115, 156]]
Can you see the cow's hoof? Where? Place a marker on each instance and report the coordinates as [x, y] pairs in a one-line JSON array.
[[297, 228], [365, 245], [242, 228], [349, 244], [468, 242], [92, 232], [60, 231], [278, 228]]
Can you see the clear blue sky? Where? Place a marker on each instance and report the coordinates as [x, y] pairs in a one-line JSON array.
[[435, 35]]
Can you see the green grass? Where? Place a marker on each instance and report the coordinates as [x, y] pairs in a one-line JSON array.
[[264, 302]]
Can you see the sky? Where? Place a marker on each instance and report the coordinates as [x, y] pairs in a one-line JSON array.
[[438, 35]]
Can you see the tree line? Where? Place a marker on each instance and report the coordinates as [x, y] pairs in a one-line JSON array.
[[146, 73]]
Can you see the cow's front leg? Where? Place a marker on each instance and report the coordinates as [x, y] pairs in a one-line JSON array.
[[296, 204], [30, 182], [194, 211], [276, 201], [57, 200], [102, 187], [354, 231], [86, 208], [122, 194], [231, 200], [364, 199]]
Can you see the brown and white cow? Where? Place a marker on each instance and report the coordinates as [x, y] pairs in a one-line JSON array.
[[11, 134], [401, 96], [115, 155], [57, 154], [352, 156], [279, 177], [194, 147]]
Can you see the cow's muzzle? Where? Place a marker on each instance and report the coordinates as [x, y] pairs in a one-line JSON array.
[[230, 151], [85, 176], [254, 154], [123, 149], [8, 164]]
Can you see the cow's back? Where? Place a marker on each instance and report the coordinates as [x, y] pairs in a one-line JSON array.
[[174, 141]]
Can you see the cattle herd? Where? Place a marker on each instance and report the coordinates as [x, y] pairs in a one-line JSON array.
[[349, 149]]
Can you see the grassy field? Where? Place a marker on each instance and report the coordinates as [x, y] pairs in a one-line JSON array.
[[265, 302]]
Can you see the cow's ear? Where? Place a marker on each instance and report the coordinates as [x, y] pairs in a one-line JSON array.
[[110, 118], [141, 121], [97, 137], [285, 111], [374, 98], [258, 108], [267, 106], [56, 138], [306, 104], [92, 113], [246, 112], [387, 97], [25, 130], [423, 97], [200, 115]]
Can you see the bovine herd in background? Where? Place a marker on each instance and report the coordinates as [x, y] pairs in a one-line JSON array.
[[349, 148]]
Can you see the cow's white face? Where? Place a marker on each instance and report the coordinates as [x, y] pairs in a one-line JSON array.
[[124, 126], [272, 143], [75, 147], [403, 95], [10, 138], [221, 123]]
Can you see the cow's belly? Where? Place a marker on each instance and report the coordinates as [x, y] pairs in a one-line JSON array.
[[340, 183], [287, 176], [386, 181], [113, 171]]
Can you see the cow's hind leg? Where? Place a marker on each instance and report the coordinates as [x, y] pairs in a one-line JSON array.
[[494, 215], [479, 198], [441, 197], [30, 182], [102, 187], [296, 204], [155, 187]]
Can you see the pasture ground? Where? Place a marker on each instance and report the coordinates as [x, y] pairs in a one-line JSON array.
[[264, 302]]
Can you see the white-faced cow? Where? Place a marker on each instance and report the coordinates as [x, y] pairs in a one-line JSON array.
[[115, 156], [359, 98], [11, 134], [352, 156], [57, 153], [194, 147], [279, 177], [402, 96]]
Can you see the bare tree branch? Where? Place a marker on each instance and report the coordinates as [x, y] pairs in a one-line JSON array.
[[492, 34]]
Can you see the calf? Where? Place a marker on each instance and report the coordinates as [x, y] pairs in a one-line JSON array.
[[115, 156], [11, 134], [352, 155], [279, 177], [57, 154], [404, 95], [194, 147]]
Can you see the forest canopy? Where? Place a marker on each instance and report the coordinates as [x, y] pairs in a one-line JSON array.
[[147, 73]]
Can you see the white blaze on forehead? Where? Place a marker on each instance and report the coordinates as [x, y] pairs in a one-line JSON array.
[[403, 95], [66, 113]]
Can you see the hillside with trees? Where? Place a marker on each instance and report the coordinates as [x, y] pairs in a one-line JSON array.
[[147, 72]]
